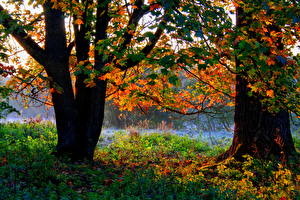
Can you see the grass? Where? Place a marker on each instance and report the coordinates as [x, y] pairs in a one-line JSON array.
[[149, 166]]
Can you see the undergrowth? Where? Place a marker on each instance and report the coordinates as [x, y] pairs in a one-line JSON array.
[[148, 166]]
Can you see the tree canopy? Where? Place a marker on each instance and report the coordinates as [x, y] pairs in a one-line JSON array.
[[181, 56], [161, 52]]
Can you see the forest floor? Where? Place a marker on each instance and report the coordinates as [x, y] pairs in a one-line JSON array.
[[136, 166]]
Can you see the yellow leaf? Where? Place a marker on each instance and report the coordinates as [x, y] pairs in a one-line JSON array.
[[230, 104]]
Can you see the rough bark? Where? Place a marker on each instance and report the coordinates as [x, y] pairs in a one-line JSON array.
[[91, 109], [57, 68], [258, 132]]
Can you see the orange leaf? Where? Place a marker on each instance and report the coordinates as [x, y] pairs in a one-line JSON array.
[[270, 61], [230, 104], [270, 93], [78, 21], [122, 12], [52, 90]]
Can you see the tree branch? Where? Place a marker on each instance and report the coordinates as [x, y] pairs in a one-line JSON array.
[[137, 14], [161, 104], [147, 49], [19, 34], [102, 21], [70, 47], [207, 83]]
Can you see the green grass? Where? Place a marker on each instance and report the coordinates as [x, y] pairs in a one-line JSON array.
[[149, 166]]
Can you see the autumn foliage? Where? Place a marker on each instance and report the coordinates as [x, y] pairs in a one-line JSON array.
[[181, 56], [191, 68]]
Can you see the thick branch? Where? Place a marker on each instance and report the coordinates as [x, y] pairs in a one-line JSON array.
[[147, 49], [82, 42], [70, 47], [137, 14], [56, 41], [30, 46], [102, 20]]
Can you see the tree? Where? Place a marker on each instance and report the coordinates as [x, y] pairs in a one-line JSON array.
[[79, 113], [177, 55], [262, 131], [267, 78], [109, 37]]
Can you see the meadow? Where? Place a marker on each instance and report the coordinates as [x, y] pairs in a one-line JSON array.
[[136, 166]]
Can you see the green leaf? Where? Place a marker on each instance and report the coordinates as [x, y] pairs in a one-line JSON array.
[[202, 66], [174, 80], [164, 71], [151, 83], [136, 57], [149, 34], [153, 76]]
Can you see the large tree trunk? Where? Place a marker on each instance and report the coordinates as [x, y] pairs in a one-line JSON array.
[[79, 116], [258, 132], [90, 104], [66, 121], [57, 68]]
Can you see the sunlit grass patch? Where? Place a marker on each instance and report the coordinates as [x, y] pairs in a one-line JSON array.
[[135, 166], [184, 162]]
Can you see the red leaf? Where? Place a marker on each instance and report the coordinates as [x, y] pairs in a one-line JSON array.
[[154, 6]]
